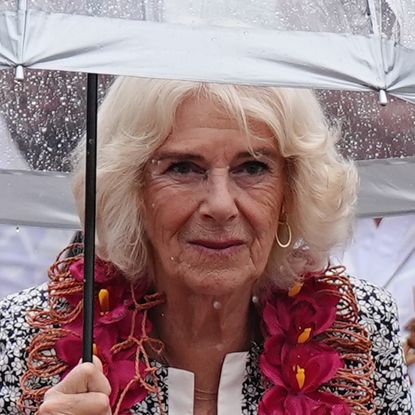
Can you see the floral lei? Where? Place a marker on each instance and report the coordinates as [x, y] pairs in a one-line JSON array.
[[311, 335], [295, 360]]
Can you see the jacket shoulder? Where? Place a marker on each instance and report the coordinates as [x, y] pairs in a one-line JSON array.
[[15, 337], [378, 314]]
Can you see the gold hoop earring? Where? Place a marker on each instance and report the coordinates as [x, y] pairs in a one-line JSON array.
[[277, 238]]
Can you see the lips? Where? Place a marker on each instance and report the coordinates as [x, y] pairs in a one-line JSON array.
[[217, 245]]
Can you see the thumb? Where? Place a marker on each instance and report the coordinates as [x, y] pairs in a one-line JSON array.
[[96, 361], [86, 377]]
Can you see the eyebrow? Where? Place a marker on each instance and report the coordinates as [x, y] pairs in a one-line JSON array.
[[263, 151], [177, 155]]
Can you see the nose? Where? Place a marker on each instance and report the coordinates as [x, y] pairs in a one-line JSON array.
[[219, 201]]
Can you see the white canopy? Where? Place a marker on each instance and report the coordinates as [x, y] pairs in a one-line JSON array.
[[360, 45]]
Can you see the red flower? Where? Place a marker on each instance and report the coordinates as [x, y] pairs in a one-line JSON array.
[[293, 361], [286, 364], [273, 401], [114, 318], [69, 348], [271, 357], [116, 303], [301, 371], [118, 368], [119, 375], [104, 271], [106, 278], [328, 404], [304, 316], [279, 401]]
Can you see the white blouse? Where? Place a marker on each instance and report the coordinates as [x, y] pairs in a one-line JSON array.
[[180, 384]]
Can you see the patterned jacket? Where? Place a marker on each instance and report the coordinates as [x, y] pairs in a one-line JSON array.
[[240, 386]]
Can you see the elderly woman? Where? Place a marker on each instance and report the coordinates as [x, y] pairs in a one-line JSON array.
[[217, 206]]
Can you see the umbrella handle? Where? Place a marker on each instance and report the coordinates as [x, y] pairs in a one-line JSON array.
[[90, 213]]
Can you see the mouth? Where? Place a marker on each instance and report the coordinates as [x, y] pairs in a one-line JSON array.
[[227, 246]]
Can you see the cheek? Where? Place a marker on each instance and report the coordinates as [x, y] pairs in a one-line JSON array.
[[263, 208], [167, 207]]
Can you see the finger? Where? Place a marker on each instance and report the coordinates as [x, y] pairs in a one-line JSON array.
[[86, 377], [410, 359], [97, 362], [406, 348], [91, 403], [409, 354]]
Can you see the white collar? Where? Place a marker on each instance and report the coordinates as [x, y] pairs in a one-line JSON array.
[[181, 387]]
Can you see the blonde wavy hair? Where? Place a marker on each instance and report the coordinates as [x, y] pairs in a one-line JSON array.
[[137, 116]]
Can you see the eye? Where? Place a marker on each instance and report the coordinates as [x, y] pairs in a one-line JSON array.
[[252, 168], [184, 168]]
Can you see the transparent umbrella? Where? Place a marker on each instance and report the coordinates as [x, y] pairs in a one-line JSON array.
[[358, 55]]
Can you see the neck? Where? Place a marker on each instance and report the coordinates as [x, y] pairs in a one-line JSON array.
[[198, 330]]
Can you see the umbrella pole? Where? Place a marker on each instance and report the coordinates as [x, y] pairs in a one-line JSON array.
[[89, 223]]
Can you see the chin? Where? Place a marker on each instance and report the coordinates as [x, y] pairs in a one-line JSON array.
[[218, 282]]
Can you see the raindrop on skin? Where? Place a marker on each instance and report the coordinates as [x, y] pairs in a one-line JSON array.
[[217, 305]]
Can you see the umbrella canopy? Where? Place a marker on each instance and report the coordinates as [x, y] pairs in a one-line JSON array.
[[351, 52], [359, 45]]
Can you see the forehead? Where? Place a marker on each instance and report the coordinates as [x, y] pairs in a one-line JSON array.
[[202, 112]]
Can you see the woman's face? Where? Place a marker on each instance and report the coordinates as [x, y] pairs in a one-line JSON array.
[[211, 207]]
